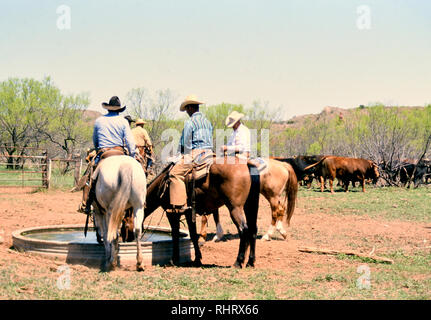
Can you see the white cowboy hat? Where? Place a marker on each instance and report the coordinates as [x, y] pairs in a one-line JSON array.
[[233, 118], [191, 99], [140, 121]]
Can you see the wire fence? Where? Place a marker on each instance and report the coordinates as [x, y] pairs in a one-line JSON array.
[[31, 167]]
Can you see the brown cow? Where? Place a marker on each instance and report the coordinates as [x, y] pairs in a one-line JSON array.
[[346, 170]]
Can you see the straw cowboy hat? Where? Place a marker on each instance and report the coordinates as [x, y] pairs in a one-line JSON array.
[[114, 104], [140, 121], [233, 118], [191, 99]]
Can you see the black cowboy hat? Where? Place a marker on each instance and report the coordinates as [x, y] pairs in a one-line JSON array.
[[129, 118], [114, 104]]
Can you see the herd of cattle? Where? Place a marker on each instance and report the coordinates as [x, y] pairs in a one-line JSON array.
[[347, 170]]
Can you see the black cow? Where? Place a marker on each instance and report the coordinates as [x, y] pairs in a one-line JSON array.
[[406, 172], [299, 163], [403, 170]]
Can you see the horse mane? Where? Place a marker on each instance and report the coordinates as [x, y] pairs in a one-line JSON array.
[[167, 168], [154, 189]]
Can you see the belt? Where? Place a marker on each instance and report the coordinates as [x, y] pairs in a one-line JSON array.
[[111, 148]]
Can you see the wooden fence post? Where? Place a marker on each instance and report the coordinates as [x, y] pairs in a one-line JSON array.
[[44, 163], [48, 175]]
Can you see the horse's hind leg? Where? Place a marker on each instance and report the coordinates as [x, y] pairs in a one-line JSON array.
[[220, 232], [203, 234], [238, 219], [277, 210], [98, 225], [251, 233], [106, 265], [195, 238], [114, 252], [280, 214], [270, 232], [138, 218], [174, 221]]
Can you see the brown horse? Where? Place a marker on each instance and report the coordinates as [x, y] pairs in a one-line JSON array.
[[277, 179], [234, 185]]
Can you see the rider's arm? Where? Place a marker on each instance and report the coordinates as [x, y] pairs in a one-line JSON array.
[[95, 136], [185, 145], [129, 140]]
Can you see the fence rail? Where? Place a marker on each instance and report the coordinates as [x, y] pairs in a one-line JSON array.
[[23, 169]]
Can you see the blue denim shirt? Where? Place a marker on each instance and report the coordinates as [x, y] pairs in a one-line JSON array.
[[197, 134], [113, 130]]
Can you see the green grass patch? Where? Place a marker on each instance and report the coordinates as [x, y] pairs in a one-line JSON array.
[[25, 178], [390, 203]]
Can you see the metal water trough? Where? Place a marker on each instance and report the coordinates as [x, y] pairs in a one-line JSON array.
[[157, 252]]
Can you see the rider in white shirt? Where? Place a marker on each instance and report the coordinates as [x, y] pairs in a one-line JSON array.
[[239, 142]]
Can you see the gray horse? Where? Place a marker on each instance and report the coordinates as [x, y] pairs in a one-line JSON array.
[[121, 184]]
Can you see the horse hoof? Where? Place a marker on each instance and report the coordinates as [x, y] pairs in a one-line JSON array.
[[173, 263], [216, 239], [201, 241], [108, 268], [197, 263], [139, 267], [266, 238], [284, 235], [250, 265], [237, 265]]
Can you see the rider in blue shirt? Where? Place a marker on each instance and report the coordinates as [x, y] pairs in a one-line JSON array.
[[111, 132], [195, 146], [197, 134]]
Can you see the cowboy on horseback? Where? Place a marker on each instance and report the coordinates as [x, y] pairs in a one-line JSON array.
[[239, 142], [144, 146], [111, 136], [143, 142], [195, 147]]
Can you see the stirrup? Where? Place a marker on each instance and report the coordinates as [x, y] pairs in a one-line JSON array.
[[87, 210], [81, 208], [178, 209]]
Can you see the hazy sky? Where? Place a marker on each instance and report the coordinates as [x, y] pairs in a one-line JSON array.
[[302, 55]]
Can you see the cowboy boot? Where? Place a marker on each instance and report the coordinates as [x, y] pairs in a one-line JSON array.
[[91, 198], [85, 196]]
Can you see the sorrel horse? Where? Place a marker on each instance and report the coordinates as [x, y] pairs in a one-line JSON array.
[[233, 185], [276, 180], [121, 184]]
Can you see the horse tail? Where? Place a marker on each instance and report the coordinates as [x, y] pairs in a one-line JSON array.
[[118, 204], [291, 193], [315, 164]]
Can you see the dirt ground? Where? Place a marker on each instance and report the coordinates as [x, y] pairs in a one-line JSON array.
[[20, 209]]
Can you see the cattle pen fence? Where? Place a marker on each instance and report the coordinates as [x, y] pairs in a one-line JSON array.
[[33, 168]]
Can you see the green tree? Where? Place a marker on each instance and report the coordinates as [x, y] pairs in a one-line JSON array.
[[218, 113], [35, 114], [24, 106], [67, 128]]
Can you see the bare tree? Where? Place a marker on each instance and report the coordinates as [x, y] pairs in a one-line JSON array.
[[158, 110]]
